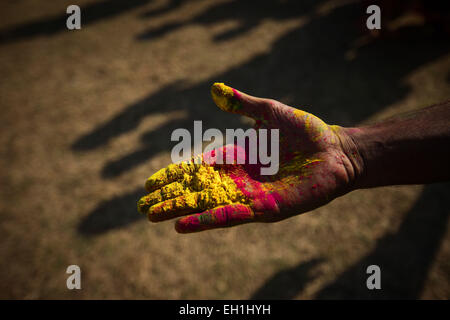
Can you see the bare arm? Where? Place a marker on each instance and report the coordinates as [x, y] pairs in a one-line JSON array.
[[413, 149]]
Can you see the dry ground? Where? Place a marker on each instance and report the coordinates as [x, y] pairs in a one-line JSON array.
[[86, 116]]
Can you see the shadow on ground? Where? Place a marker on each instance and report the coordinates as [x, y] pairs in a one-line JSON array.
[[244, 13], [117, 212], [404, 258], [47, 26], [285, 285]]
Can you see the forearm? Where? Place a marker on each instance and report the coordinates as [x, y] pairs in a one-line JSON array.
[[414, 149]]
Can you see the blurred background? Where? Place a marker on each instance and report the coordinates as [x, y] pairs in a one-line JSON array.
[[86, 117]]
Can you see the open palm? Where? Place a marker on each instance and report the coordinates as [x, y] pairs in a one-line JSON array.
[[315, 166]]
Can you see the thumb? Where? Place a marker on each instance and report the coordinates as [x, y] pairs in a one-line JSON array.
[[231, 100]]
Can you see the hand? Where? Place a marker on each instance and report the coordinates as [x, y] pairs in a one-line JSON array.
[[317, 163]]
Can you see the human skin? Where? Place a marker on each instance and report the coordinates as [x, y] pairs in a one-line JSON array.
[[317, 163]]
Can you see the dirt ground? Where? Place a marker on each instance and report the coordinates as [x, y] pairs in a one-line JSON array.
[[86, 117]]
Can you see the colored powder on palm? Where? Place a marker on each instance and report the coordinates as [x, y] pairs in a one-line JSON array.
[[198, 187]]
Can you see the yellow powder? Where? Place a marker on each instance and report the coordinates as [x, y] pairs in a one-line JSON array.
[[197, 186], [300, 113], [171, 173], [318, 128], [222, 96], [295, 165]]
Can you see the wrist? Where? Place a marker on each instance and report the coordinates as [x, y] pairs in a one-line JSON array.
[[371, 151], [352, 143]]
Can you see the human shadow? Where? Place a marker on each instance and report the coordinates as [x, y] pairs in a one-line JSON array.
[[90, 13], [115, 213], [307, 67], [286, 284], [153, 142], [169, 6], [404, 257], [245, 13]]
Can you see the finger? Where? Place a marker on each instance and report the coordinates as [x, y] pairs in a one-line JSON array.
[[147, 201], [170, 191], [221, 217], [234, 101], [219, 193], [172, 208], [170, 174], [182, 205], [204, 189]]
